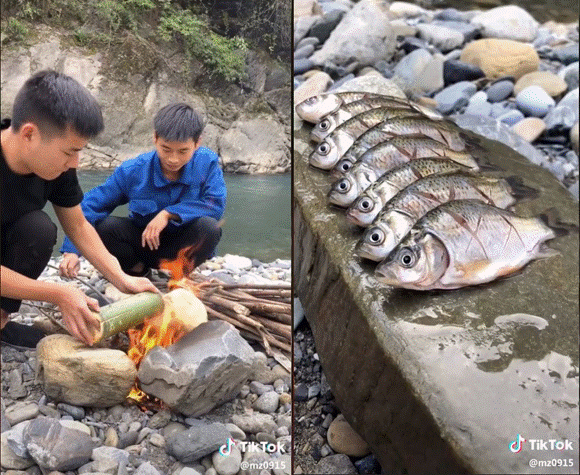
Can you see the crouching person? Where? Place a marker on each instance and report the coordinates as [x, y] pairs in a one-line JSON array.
[[176, 195]]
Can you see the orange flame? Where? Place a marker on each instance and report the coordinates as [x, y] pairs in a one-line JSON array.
[[162, 329]]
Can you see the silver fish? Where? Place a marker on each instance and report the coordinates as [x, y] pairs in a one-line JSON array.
[[411, 147], [344, 191], [464, 243], [400, 214], [369, 204], [359, 117], [331, 121]]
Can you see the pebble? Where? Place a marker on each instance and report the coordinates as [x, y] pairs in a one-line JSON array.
[[410, 68], [567, 54], [454, 97], [443, 38], [323, 27], [111, 437], [267, 402], [511, 117], [259, 388], [534, 101], [316, 84], [507, 22], [530, 128], [574, 137], [468, 31], [500, 90], [229, 464], [21, 411], [76, 412], [344, 440], [570, 75], [456, 71], [302, 53], [551, 83], [338, 463], [147, 469]]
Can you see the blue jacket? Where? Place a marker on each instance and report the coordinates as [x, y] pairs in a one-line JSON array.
[[200, 191]]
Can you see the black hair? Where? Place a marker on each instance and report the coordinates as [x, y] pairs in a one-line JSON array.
[[178, 122], [52, 100]]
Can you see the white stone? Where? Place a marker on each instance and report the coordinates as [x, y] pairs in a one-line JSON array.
[[227, 464], [236, 263], [509, 22], [405, 9]]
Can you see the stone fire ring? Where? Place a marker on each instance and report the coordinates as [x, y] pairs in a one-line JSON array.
[[443, 382]]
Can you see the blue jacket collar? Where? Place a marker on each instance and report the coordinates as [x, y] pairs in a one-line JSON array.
[[159, 178]]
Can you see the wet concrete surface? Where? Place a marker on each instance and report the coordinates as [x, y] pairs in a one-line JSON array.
[[445, 380]]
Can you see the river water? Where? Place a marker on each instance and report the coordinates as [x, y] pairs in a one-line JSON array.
[[257, 217], [565, 11]]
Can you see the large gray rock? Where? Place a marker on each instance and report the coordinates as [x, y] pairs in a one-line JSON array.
[[204, 369], [55, 447], [363, 34], [450, 377], [196, 442], [509, 22], [254, 146]]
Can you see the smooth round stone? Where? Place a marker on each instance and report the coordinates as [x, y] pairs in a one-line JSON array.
[[457, 71], [548, 81], [303, 52], [567, 54], [267, 402], [339, 463], [443, 38], [478, 108], [315, 84], [229, 464], [499, 91], [401, 28], [75, 411], [324, 26], [310, 40], [560, 118], [509, 22], [449, 14], [454, 97], [410, 44], [478, 98], [529, 128], [468, 30], [501, 58], [534, 101], [511, 117], [405, 10], [344, 440]]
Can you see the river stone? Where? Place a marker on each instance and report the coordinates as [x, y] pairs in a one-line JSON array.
[[324, 26], [409, 69], [373, 83], [315, 84], [344, 440], [509, 22], [302, 27], [500, 90], [9, 460], [500, 58], [402, 28], [267, 402], [431, 415], [456, 71], [56, 447], [441, 37], [454, 97], [549, 82], [468, 31], [76, 374], [567, 54], [204, 369], [534, 101], [565, 114], [510, 117], [431, 78], [405, 10], [254, 423], [570, 75], [574, 137], [259, 143], [530, 128], [348, 40], [228, 464], [21, 411], [301, 53], [196, 442], [335, 464]]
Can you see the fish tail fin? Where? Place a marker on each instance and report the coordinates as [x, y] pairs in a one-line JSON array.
[[488, 167], [520, 191], [551, 219], [544, 251]]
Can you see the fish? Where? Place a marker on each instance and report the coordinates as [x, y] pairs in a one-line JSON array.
[[331, 121], [412, 147], [350, 141], [463, 243], [368, 205], [316, 107], [360, 122], [400, 214]]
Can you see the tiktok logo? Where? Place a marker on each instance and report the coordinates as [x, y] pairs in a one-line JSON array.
[[515, 445], [226, 449]]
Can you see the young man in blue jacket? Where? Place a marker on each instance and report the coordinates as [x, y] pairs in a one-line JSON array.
[[176, 195]]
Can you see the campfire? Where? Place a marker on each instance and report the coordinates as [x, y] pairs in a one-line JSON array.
[[260, 312]]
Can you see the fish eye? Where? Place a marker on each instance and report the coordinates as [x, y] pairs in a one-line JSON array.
[[311, 100], [323, 148], [366, 204], [324, 125], [407, 257], [343, 185], [376, 236], [344, 166]]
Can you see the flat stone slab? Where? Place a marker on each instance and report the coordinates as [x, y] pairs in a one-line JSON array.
[[444, 381]]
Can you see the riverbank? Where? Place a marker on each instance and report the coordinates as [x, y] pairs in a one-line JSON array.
[[128, 440]]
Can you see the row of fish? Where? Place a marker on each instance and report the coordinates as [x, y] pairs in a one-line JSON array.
[[412, 180]]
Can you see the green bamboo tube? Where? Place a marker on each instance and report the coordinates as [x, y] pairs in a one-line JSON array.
[[127, 313]]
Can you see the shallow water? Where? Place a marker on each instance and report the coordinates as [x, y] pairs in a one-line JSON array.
[[565, 11], [257, 216]]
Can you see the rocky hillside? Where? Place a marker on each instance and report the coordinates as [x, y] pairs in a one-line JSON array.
[[133, 73]]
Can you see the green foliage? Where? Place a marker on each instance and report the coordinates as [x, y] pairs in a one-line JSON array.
[[225, 56], [16, 30]]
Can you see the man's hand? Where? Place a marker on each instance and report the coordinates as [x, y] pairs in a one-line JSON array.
[[135, 285], [69, 265], [150, 236], [76, 308]]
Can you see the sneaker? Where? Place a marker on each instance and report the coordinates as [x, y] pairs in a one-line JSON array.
[[21, 337]]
